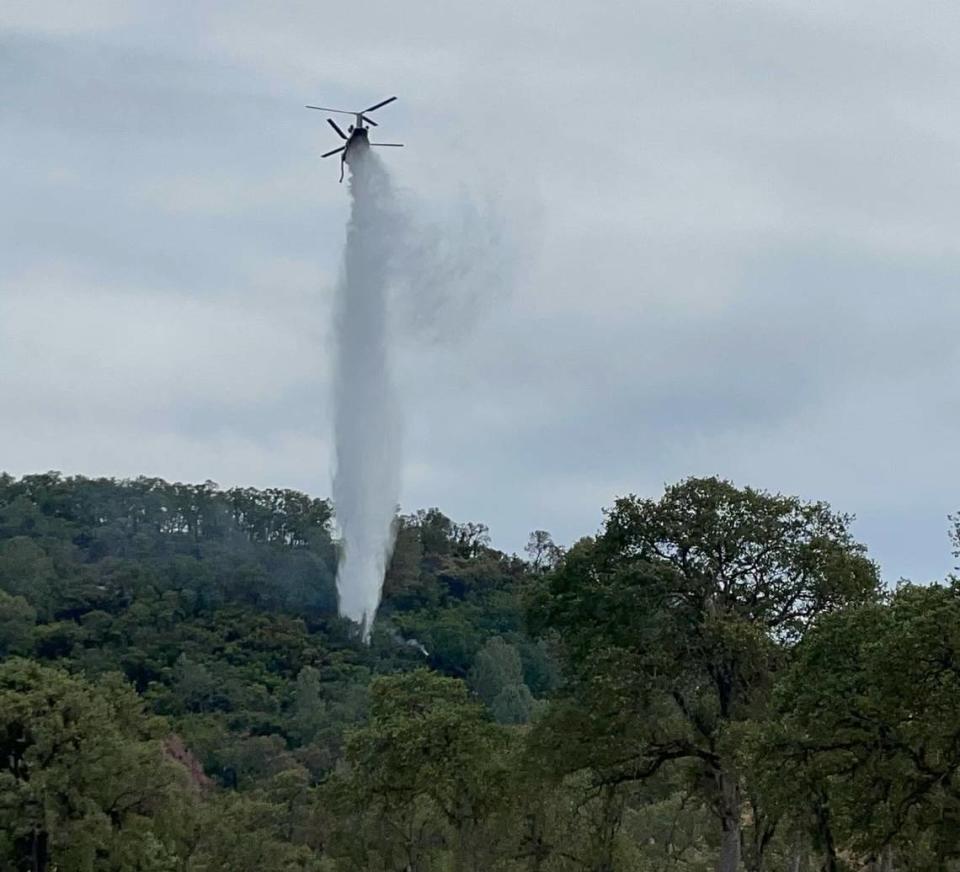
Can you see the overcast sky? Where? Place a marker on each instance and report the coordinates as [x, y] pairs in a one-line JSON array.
[[720, 238]]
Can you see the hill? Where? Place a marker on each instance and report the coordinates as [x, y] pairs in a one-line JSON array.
[[178, 693]]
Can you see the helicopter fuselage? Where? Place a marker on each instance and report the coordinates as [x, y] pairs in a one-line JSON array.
[[358, 141]]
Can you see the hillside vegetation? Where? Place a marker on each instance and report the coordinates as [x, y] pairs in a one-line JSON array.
[[716, 680]]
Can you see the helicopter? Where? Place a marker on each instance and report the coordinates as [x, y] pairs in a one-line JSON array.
[[356, 138]]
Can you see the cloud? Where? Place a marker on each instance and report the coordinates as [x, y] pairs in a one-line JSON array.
[[732, 228]]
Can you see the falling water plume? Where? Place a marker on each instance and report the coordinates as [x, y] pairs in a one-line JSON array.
[[366, 484]]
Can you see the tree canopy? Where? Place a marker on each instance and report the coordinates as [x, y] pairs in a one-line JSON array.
[[717, 680]]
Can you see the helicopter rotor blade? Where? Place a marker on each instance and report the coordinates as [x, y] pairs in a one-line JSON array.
[[381, 103], [333, 124], [369, 121], [328, 109], [335, 151], [388, 144]]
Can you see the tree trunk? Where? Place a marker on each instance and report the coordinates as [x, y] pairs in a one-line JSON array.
[[754, 849], [539, 851], [729, 859], [605, 834], [886, 860], [830, 863], [39, 858], [830, 860], [796, 857], [825, 836]]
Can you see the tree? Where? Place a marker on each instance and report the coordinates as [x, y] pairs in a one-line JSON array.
[[82, 775], [17, 621], [955, 536], [868, 738], [496, 666], [428, 758], [513, 705], [497, 678], [262, 830], [673, 622], [403, 586], [471, 539], [27, 570], [541, 551], [309, 713]]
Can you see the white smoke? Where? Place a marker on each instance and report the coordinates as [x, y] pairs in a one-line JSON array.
[[366, 484]]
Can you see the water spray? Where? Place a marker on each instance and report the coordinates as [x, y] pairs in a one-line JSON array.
[[366, 484], [389, 249]]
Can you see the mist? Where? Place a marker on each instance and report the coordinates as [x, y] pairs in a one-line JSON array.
[[458, 255]]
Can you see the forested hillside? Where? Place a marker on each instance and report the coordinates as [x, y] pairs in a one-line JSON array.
[[716, 680]]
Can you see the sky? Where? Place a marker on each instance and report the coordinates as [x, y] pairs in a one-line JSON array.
[[678, 238]]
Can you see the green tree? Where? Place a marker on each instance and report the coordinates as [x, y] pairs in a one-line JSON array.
[[27, 570], [17, 621], [83, 776], [868, 742], [310, 713], [497, 678], [673, 621], [496, 666], [541, 551], [428, 759], [513, 705], [261, 830]]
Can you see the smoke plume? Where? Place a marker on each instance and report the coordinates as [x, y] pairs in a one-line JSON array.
[[366, 485]]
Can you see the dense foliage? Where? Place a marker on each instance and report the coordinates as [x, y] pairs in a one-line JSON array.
[[717, 680]]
